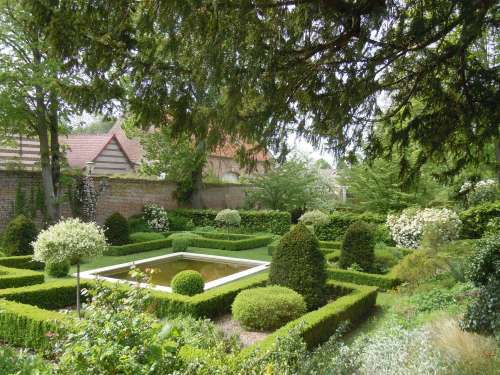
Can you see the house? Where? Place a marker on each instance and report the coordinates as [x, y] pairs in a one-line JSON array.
[[115, 153]]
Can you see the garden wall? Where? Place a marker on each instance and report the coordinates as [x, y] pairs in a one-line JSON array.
[[126, 196]]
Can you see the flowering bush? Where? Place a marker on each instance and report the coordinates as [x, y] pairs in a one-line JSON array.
[[156, 217], [408, 228], [69, 240], [315, 217], [480, 192], [228, 218]]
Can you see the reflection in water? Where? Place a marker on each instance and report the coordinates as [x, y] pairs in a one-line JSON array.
[[167, 269]]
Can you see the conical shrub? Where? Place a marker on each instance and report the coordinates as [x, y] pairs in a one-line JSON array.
[[358, 246], [299, 264]]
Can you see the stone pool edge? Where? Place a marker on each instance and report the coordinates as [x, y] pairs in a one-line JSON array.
[[259, 266]]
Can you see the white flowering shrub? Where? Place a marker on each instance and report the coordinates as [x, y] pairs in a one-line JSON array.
[[156, 218], [314, 217], [228, 218], [69, 239], [408, 228], [479, 192]]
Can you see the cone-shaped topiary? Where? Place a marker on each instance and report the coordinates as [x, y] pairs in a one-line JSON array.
[[19, 235], [116, 229], [299, 264], [358, 246]]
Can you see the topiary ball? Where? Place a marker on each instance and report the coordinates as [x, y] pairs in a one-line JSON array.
[[299, 264], [58, 269], [268, 308], [358, 246], [188, 282], [19, 235], [116, 230]]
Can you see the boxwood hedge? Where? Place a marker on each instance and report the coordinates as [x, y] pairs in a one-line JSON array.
[[139, 247], [22, 261], [277, 222], [15, 277], [29, 326], [340, 221]]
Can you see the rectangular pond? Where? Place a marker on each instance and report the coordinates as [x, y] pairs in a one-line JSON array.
[[215, 270]]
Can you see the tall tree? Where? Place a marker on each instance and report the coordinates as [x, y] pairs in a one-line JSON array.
[[57, 59], [319, 68]]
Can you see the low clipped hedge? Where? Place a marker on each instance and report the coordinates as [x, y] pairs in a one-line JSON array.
[[224, 236], [209, 304], [16, 277], [145, 236], [232, 245], [22, 261], [52, 295], [474, 219], [138, 247], [387, 281], [334, 245], [277, 222], [29, 326], [340, 221]]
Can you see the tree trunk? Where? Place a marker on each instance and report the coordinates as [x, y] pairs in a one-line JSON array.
[[497, 159], [197, 178], [44, 125], [78, 309], [55, 151], [197, 174]]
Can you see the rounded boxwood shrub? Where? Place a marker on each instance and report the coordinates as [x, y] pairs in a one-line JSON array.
[[188, 282], [116, 229], [19, 235], [299, 264], [267, 308], [58, 269], [358, 246]]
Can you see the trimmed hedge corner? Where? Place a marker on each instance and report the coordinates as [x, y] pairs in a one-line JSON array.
[[208, 304], [138, 247], [52, 295], [387, 281], [16, 277], [22, 261], [29, 326]]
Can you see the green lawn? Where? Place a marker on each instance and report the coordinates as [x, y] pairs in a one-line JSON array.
[[103, 261]]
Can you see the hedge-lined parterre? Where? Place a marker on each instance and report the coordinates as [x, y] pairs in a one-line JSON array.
[[352, 303], [387, 281], [340, 221]]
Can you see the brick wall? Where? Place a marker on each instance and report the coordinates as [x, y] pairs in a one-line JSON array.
[[126, 196]]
